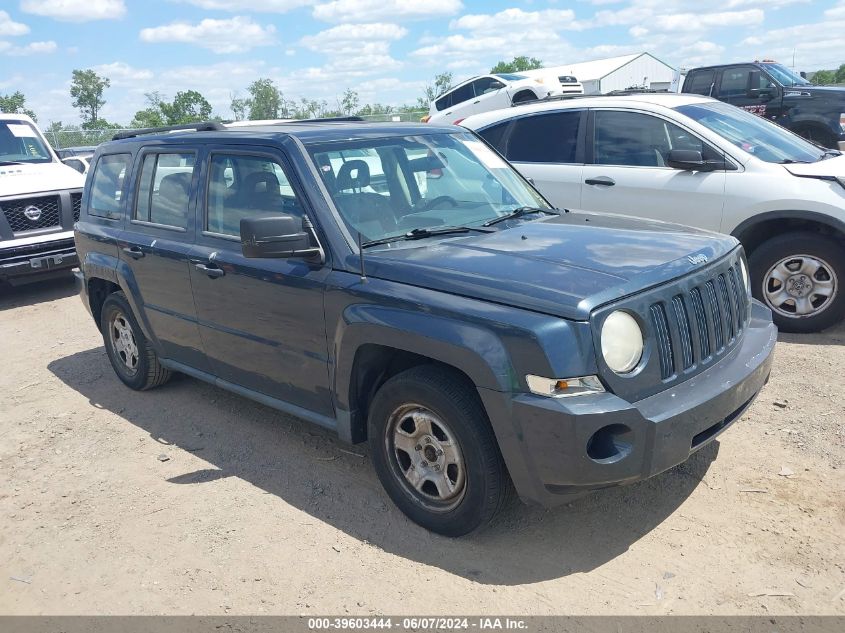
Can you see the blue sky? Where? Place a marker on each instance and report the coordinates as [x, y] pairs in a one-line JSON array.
[[387, 50]]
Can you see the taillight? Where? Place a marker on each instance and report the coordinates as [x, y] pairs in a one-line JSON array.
[[458, 121], [425, 119]]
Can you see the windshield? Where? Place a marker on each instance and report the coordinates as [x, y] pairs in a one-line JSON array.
[[755, 135], [20, 142], [391, 186], [510, 76], [785, 76]]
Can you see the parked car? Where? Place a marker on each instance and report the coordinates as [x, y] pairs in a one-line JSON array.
[[775, 92], [486, 93], [471, 333], [39, 202], [80, 163], [696, 161]]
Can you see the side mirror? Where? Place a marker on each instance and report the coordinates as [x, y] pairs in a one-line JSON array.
[[276, 236], [691, 160]]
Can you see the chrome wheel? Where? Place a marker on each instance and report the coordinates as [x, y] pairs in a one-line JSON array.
[[426, 457], [800, 286], [123, 341]]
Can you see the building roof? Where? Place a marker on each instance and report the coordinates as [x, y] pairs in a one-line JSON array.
[[600, 68]]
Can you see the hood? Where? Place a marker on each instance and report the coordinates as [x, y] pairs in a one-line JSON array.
[[832, 92], [565, 266], [17, 180], [827, 168]]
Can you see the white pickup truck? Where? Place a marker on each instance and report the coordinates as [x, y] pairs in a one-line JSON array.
[[40, 198]]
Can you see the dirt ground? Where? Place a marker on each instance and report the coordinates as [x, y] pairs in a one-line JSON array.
[[188, 499]]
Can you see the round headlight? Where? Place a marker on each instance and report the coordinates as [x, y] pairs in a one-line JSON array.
[[621, 342]]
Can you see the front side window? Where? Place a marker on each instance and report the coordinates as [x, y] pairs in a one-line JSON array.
[[544, 138], [635, 139], [20, 142], [391, 186], [486, 85], [755, 135], [241, 186], [108, 187], [164, 190]]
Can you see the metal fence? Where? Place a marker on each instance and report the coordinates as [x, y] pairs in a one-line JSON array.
[[75, 137]]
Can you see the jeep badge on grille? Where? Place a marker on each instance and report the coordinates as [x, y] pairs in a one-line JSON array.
[[701, 258]]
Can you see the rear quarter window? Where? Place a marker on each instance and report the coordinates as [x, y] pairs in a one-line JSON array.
[[108, 185]]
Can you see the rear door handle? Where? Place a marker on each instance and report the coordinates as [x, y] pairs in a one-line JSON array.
[[211, 271], [604, 181], [134, 252]]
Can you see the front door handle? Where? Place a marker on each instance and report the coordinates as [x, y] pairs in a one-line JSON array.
[[134, 252], [604, 181], [211, 271]]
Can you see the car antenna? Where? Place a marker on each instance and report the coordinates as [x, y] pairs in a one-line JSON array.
[[361, 259]]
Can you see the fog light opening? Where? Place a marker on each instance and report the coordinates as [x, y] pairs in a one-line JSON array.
[[610, 444]]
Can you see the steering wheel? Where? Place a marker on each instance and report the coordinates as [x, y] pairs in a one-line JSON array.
[[430, 204]]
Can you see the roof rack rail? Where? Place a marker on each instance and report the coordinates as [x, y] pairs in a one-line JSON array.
[[561, 97], [328, 119], [205, 126]]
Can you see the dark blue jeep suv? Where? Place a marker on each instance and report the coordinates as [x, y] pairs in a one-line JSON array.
[[403, 285]]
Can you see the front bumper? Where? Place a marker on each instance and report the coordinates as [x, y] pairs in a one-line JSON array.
[[31, 262], [574, 445]]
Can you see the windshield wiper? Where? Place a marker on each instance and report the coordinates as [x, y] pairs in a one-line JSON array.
[[420, 233], [790, 161], [828, 153], [518, 213], [12, 162]]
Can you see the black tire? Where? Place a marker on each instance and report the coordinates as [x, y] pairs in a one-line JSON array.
[[793, 245], [448, 395], [524, 97], [819, 137], [144, 371]]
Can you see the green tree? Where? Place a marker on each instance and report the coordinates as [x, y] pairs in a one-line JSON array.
[[840, 75], [187, 107], [86, 88], [265, 100], [823, 77], [239, 106], [442, 83], [349, 102], [15, 103], [518, 64]]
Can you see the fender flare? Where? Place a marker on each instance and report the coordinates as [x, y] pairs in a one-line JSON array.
[[810, 216]]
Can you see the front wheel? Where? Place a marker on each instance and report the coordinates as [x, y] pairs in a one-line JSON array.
[[799, 276], [434, 451]]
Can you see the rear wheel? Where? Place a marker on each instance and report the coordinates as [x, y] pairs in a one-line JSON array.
[[799, 276], [132, 358], [434, 451], [524, 97], [819, 137]]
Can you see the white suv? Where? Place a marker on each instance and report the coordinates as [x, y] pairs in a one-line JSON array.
[[40, 198], [486, 93], [694, 160]]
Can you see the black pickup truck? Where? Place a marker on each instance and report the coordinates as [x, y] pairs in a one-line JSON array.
[[773, 91]]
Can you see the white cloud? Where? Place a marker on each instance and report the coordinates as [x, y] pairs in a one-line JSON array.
[[702, 21], [234, 35], [503, 21], [391, 10], [75, 10], [10, 27], [122, 74], [815, 45], [257, 6], [354, 39], [33, 48]]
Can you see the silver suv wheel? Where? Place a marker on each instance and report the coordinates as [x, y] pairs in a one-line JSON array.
[[800, 286], [123, 341]]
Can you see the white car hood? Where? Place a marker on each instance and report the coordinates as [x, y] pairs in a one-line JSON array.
[[17, 180], [830, 167]]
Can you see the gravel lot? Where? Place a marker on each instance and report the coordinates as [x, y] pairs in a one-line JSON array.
[[190, 500]]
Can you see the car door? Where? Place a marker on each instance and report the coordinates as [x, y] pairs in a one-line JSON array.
[[489, 95], [261, 320], [460, 103], [547, 148], [626, 170], [155, 246]]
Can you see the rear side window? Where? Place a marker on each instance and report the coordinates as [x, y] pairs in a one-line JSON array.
[[108, 187], [495, 135], [544, 138], [464, 93], [246, 187], [735, 82], [164, 190], [700, 83]]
